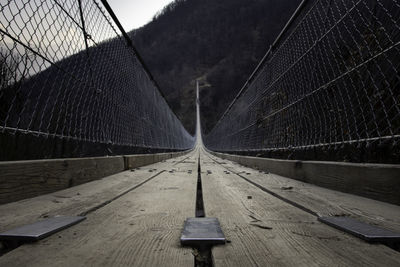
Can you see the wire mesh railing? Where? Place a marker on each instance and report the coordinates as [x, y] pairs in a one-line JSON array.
[[329, 83], [69, 72]]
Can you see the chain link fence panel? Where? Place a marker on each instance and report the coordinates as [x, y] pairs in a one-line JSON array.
[[329, 85], [68, 72]]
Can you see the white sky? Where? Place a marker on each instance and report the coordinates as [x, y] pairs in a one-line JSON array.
[[135, 13]]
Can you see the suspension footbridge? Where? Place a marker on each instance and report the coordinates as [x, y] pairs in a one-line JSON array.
[[301, 169]]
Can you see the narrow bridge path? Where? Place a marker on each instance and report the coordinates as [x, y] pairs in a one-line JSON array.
[[142, 227], [135, 218]]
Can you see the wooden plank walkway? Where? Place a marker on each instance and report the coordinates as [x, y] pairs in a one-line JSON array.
[[135, 219], [79, 199], [140, 228], [267, 231], [319, 200]]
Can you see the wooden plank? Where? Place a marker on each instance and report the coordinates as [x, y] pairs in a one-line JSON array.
[[266, 231], [25, 179], [133, 161], [77, 199], [323, 201], [141, 228], [376, 181]]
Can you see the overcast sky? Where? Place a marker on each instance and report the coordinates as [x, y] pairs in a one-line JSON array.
[[135, 13]]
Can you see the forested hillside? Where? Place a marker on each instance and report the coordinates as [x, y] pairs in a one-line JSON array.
[[217, 41]]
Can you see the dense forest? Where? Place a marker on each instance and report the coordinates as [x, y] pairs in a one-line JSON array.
[[218, 42]]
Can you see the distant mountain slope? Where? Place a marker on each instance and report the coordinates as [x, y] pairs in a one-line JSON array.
[[217, 41]]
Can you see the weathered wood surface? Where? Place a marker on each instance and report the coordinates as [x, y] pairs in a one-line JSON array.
[[25, 179], [133, 161], [266, 231], [78, 199], [376, 181], [322, 201], [140, 228]]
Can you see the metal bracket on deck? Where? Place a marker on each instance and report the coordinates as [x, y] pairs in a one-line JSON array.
[[202, 231], [41, 229], [362, 230]]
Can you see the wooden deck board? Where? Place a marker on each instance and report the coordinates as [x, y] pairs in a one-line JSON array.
[[141, 228], [77, 199], [265, 230], [323, 201]]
